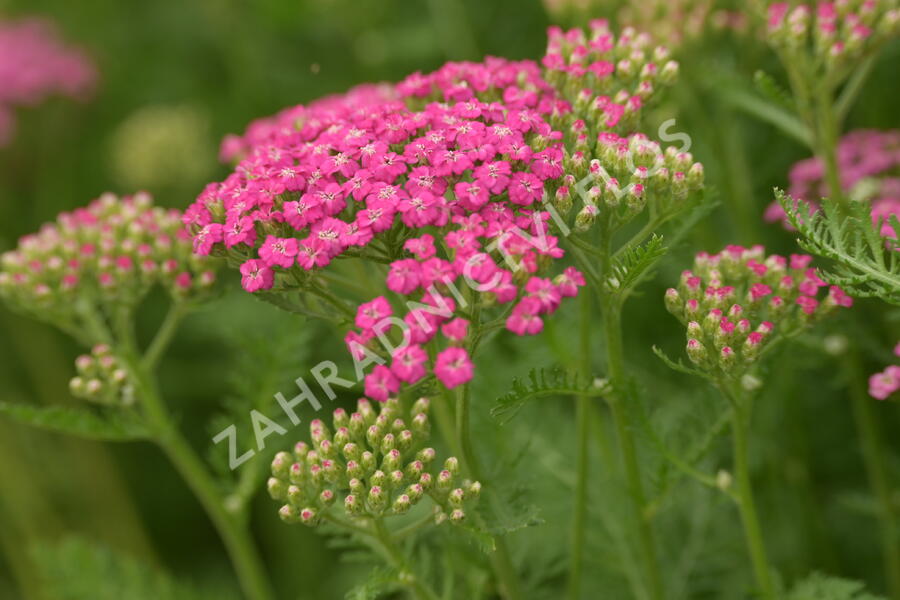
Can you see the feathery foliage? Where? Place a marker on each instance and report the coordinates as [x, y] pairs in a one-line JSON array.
[[866, 263]]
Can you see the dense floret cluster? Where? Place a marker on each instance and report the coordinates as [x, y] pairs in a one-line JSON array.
[[735, 302], [106, 255], [372, 464]]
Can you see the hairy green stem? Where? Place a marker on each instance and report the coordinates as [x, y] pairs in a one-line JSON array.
[[582, 420], [237, 541], [740, 420], [876, 470], [612, 328], [164, 335], [418, 588], [503, 567]]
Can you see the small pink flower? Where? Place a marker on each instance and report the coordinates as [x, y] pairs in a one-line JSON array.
[[758, 291], [371, 313], [256, 276], [839, 297], [422, 247], [381, 383], [404, 276], [279, 252], [569, 281], [409, 363], [456, 330], [882, 385], [524, 319], [807, 304], [453, 367]]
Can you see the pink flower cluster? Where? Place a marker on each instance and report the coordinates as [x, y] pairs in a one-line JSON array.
[[835, 32], [731, 302], [35, 64], [111, 251], [883, 385], [869, 166], [442, 177]]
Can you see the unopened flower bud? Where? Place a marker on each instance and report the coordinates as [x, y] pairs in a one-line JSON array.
[[402, 504], [309, 516], [277, 488], [456, 497], [289, 514], [377, 499]]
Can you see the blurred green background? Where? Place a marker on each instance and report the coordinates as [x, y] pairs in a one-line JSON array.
[[176, 76]]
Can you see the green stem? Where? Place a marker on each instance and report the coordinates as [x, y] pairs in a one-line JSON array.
[[416, 586], [610, 306], [877, 473], [826, 142], [746, 504], [579, 520], [237, 541], [164, 335], [503, 567]]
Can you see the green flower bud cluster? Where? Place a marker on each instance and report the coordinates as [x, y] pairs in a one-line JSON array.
[[105, 255], [826, 40], [627, 176], [369, 464], [731, 302], [101, 378]]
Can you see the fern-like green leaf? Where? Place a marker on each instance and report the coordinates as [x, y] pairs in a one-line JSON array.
[[679, 365], [636, 263], [111, 425], [866, 264], [824, 587], [378, 582], [771, 89], [541, 383]]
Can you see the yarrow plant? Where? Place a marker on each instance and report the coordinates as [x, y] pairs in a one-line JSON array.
[[87, 274], [829, 48], [736, 305], [36, 64]]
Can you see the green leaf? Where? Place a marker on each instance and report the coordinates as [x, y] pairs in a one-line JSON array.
[[866, 264], [109, 425], [541, 383], [77, 569], [636, 263], [825, 587], [767, 111], [678, 366], [772, 90], [379, 581]]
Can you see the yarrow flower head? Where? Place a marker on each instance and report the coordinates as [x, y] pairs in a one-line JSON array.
[[738, 301], [868, 162], [36, 64], [106, 255], [828, 38], [370, 464], [449, 195]]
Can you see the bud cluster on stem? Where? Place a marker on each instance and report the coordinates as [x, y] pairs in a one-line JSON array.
[[735, 302], [371, 464]]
